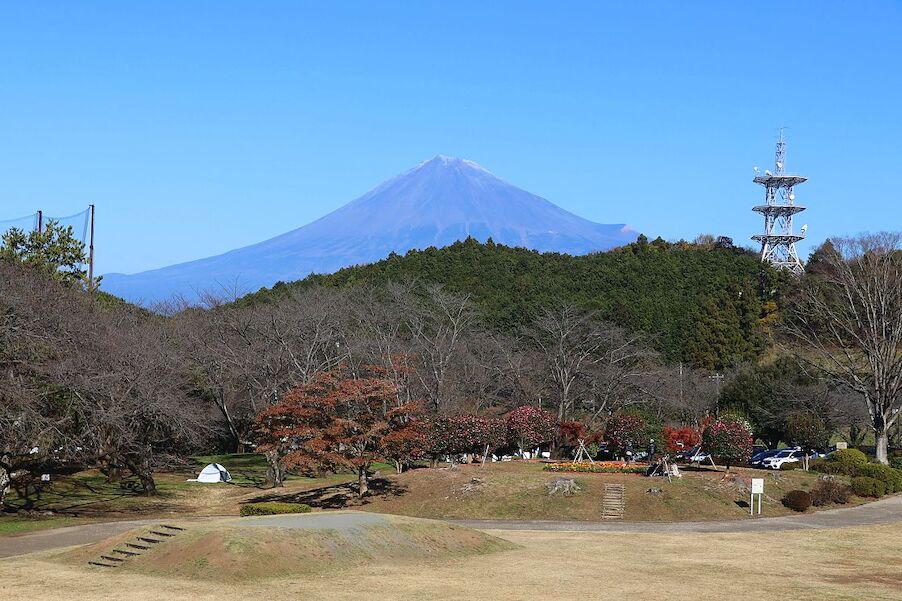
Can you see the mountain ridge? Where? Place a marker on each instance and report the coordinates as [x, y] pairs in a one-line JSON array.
[[439, 201]]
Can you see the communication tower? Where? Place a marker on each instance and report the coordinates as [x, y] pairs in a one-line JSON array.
[[778, 242]]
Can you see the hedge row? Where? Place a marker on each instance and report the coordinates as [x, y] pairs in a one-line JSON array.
[[273, 508]]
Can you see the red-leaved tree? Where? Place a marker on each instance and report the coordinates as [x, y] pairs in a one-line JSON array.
[[334, 423], [528, 427], [728, 440], [680, 439]]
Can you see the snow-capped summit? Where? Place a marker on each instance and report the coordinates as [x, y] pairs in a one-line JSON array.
[[438, 202]]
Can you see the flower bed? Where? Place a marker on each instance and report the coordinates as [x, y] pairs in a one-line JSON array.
[[599, 467]]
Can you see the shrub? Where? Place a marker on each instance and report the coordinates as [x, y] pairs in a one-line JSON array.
[[273, 508], [785, 467], [845, 460], [528, 427], [729, 440], [896, 462], [830, 491], [624, 429], [864, 486], [891, 478], [825, 466], [797, 500]]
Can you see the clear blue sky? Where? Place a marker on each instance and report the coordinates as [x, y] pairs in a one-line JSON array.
[[198, 127]]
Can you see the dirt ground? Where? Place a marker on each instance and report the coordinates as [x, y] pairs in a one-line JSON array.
[[856, 563]]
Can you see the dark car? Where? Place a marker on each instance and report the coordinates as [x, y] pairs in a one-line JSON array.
[[757, 460]]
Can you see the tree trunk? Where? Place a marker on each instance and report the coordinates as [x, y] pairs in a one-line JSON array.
[[362, 483], [882, 446], [148, 485], [5, 481], [276, 473], [144, 471]]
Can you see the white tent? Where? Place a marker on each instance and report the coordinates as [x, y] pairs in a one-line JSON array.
[[214, 473]]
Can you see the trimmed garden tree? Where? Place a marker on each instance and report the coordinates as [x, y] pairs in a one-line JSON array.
[[461, 434], [728, 440], [528, 427], [334, 423], [625, 429], [807, 430]]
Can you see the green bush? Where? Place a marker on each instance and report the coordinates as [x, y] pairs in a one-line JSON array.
[[896, 462], [846, 460], [864, 486], [891, 478], [797, 500], [825, 466], [830, 491], [785, 467], [273, 508]]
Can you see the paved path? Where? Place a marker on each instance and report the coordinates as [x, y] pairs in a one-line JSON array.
[[885, 511]]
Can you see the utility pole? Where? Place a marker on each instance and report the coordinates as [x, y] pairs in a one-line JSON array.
[[91, 253], [717, 378], [40, 220]]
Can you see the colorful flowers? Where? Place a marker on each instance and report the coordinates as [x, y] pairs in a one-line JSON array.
[[599, 467]]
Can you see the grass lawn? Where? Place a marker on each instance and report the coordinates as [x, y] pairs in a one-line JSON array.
[[517, 490], [850, 564], [510, 490], [18, 525]]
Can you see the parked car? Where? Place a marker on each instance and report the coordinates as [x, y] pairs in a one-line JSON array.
[[775, 462], [693, 455], [757, 459]]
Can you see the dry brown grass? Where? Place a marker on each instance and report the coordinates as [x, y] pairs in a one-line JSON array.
[[517, 490], [857, 563]]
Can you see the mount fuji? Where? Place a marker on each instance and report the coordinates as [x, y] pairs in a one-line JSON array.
[[436, 203]]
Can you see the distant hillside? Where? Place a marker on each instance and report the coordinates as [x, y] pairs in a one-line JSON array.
[[704, 305]]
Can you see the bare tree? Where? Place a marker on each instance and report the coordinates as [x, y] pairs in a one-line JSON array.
[[437, 321], [591, 364], [847, 317]]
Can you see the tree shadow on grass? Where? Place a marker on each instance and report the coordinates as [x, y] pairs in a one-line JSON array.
[[338, 496]]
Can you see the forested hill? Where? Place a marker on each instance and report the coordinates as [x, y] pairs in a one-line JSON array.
[[706, 305]]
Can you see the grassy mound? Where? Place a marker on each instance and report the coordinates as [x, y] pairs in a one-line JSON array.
[[263, 547]]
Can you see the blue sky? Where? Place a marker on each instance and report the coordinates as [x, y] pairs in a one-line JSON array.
[[204, 126]]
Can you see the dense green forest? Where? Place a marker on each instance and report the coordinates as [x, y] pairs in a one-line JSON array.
[[709, 304]]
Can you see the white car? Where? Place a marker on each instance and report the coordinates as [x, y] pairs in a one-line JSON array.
[[775, 462]]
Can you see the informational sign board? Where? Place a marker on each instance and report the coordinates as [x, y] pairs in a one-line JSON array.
[[757, 489], [842, 445]]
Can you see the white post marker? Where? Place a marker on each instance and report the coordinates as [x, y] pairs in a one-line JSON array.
[[757, 489]]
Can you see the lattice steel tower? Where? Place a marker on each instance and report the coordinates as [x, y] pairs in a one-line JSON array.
[[778, 242]]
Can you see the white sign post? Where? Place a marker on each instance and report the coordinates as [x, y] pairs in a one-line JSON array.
[[757, 489]]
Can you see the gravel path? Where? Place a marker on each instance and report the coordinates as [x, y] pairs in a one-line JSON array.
[[884, 511]]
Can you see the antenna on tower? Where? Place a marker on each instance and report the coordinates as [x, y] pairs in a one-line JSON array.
[[780, 161], [778, 242]]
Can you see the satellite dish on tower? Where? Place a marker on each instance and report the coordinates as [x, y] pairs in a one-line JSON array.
[[804, 229], [756, 170], [766, 172]]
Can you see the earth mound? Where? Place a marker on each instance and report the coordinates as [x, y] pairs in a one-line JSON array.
[[263, 547]]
